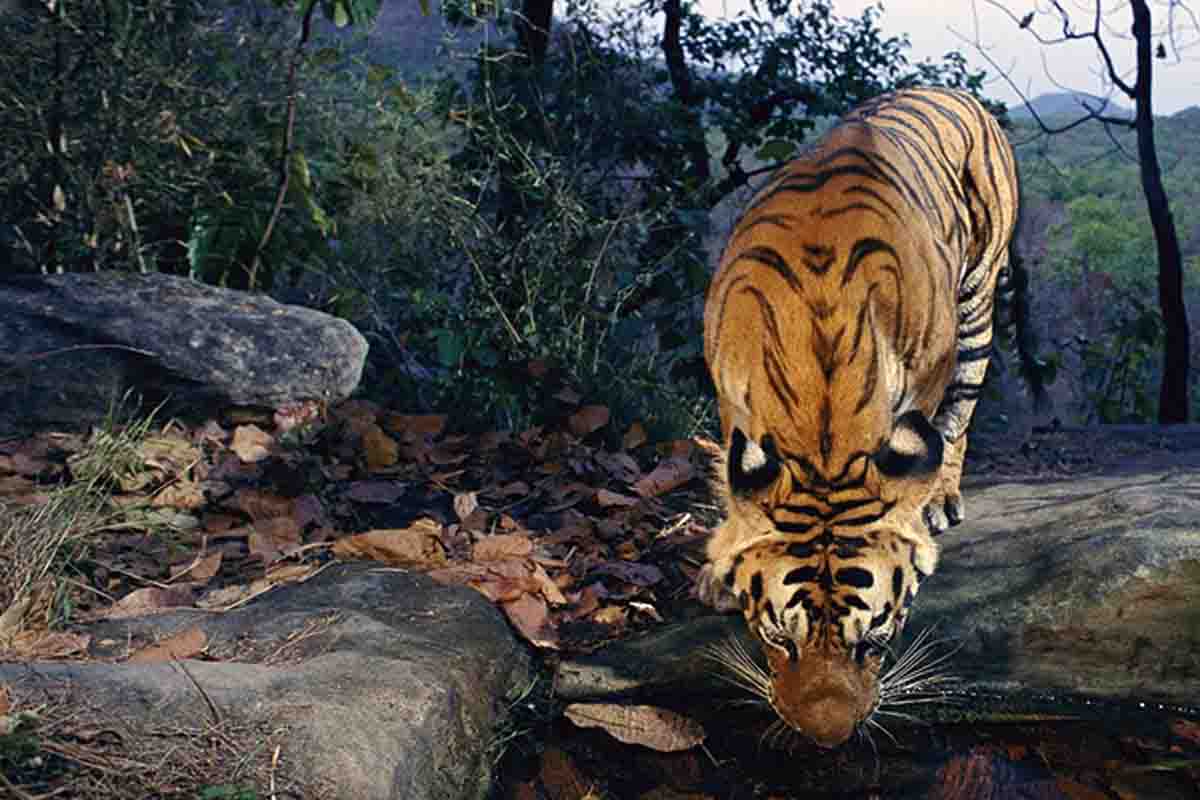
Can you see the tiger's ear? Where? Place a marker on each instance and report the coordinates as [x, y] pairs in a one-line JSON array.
[[915, 448], [752, 466]]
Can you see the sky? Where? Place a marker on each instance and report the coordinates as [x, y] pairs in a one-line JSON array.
[[935, 27]]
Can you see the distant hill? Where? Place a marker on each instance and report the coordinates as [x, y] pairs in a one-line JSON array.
[[1190, 114], [1070, 104]]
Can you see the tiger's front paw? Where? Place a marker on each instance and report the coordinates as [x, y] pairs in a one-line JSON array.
[[943, 512], [712, 591]]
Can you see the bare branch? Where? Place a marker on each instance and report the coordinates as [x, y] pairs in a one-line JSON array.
[[1120, 148], [1006, 75]]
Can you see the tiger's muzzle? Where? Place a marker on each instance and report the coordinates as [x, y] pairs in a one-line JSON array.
[[822, 696]]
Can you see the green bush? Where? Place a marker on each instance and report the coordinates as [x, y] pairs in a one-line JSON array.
[[1119, 370]]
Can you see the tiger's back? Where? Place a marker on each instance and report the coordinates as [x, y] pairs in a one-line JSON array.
[[847, 331]]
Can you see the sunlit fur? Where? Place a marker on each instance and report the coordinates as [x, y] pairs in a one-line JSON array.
[[847, 331], [919, 676]]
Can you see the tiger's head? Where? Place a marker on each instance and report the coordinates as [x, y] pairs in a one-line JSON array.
[[824, 568]]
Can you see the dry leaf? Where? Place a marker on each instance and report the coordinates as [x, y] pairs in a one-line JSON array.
[[13, 617], [465, 504], [183, 494], [503, 545], [670, 474], [290, 573], [562, 779], [185, 644], [221, 598], [549, 588], [634, 437], [273, 538], [614, 616], [458, 574], [382, 451], [150, 600], [416, 424], [649, 726], [620, 465], [5, 701], [202, 568], [418, 545], [446, 454], [251, 443], [503, 588], [37, 645], [310, 511], [260, 505], [295, 413], [608, 499], [384, 492], [629, 571], [587, 420], [530, 616]]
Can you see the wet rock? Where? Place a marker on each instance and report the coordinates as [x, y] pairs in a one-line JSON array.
[[387, 684], [71, 345]]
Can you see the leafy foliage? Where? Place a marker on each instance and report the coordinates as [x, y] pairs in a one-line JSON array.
[[1088, 227], [1118, 369]]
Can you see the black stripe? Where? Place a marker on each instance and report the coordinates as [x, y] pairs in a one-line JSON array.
[[880, 619], [855, 601], [801, 550], [770, 257], [801, 575], [980, 353], [857, 577], [756, 587], [863, 248]]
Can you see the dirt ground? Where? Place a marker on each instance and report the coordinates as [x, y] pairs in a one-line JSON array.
[[1055, 452]]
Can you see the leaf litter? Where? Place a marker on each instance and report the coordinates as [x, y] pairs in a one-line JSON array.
[[559, 525]]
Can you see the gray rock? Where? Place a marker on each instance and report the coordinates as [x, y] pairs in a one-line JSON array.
[[387, 684], [71, 345], [1088, 585]]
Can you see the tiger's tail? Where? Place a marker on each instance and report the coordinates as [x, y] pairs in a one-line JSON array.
[[1015, 324]]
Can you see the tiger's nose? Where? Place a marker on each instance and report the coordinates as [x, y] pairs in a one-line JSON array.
[[828, 720]]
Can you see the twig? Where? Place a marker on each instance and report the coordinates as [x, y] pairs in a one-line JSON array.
[[212, 707], [274, 767], [285, 157]]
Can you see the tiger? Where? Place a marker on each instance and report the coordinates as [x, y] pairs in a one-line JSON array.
[[847, 331]]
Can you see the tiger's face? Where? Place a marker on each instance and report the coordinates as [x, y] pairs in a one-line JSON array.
[[824, 573]]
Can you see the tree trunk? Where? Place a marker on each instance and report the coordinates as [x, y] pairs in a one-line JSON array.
[[533, 29], [1173, 405], [685, 90]]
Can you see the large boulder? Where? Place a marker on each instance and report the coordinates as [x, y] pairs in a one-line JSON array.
[[72, 345], [376, 684]]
